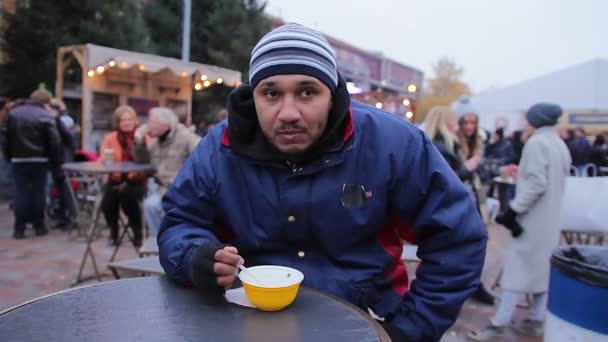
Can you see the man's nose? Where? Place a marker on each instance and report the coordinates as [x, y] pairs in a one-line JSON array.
[[289, 112]]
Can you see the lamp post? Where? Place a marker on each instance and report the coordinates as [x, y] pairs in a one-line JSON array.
[[186, 31]]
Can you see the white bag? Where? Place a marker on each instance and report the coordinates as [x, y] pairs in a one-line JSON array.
[[585, 204]]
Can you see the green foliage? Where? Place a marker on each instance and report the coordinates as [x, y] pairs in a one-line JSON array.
[[223, 32], [34, 33]]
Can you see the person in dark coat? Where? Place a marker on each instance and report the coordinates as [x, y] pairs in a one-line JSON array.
[[31, 142]]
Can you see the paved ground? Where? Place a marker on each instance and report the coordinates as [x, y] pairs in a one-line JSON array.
[[38, 266]]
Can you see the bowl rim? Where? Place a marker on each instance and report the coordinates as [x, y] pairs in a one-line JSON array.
[[299, 276]]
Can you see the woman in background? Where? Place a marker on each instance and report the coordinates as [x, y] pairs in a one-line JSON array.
[[123, 190]]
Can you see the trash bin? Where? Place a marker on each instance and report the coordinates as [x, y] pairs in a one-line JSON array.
[[578, 295]]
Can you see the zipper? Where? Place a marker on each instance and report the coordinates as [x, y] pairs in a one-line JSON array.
[[293, 166]]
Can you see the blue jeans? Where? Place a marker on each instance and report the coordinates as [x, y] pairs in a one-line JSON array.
[[30, 193], [153, 212]]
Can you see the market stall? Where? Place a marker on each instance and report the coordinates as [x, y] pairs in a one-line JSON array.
[[113, 77]]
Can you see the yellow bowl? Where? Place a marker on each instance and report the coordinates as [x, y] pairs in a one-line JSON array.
[[277, 287]]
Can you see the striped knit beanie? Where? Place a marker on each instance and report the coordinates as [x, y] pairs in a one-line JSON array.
[[293, 49]]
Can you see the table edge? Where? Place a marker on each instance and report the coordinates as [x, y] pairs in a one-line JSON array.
[[381, 332]]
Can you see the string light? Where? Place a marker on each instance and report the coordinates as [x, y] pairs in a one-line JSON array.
[[409, 115], [198, 86], [406, 102], [203, 77], [184, 74], [112, 63], [412, 88], [101, 69], [142, 67], [124, 64], [379, 105], [91, 73], [206, 83], [220, 80]]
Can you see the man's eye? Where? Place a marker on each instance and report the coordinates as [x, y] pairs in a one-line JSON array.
[[307, 92], [270, 94]]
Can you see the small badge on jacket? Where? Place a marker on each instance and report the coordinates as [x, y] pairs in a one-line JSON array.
[[354, 196]]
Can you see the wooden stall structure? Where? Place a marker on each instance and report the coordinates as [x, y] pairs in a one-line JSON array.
[[113, 77]]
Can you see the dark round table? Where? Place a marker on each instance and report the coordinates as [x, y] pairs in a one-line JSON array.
[[157, 309]]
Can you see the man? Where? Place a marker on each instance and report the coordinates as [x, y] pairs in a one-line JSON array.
[[31, 142], [64, 125], [169, 147], [298, 177], [531, 218]]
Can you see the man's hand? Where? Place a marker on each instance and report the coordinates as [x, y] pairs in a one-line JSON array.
[[508, 219], [140, 133], [226, 265], [214, 267]]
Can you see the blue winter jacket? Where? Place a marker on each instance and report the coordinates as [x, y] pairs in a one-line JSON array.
[[302, 216]]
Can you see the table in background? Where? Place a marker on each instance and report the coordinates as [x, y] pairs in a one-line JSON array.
[[98, 170], [156, 309]]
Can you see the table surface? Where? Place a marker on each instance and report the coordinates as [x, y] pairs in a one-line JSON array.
[[99, 167], [156, 309]]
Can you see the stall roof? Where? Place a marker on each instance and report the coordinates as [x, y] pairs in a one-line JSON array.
[[102, 56]]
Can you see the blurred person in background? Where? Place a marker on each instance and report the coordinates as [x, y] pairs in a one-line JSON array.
[[170, 144], [471, 150], [599, 151], [31, 141], [531, 218], [123, 190]]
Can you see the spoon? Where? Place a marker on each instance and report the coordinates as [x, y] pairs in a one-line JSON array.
[[245, 269]]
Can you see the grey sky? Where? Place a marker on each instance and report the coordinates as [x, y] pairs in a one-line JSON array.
[[497, 42]]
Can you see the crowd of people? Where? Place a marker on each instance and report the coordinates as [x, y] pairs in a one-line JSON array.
[[301, 175]]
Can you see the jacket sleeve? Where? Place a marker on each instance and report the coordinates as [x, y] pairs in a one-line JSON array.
[[4, 137], [55, 149], [190, 213], [434, 205], [532, 179], [66, 137]]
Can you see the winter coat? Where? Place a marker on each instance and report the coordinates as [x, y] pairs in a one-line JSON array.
[[540, 186], [340, 219], [167, 155], [29, 134]]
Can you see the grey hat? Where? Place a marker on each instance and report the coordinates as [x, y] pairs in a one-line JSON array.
[[464, 106], [293, 49], [543, 114]]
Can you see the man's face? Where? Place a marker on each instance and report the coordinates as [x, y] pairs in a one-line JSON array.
[[156, 127], [469, 124], [292, 111]]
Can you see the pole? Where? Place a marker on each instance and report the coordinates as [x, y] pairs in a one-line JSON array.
[[186, 31]]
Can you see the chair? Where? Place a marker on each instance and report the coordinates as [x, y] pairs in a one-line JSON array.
[[144, 266], [150, 247]]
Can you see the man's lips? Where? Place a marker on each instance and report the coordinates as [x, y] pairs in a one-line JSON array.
[[290, 135]]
